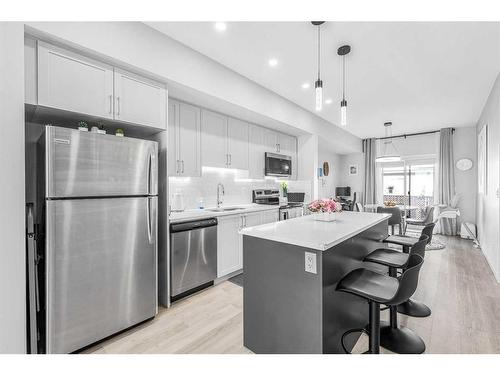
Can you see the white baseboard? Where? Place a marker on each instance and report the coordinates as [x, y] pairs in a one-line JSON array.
[[495, 274]]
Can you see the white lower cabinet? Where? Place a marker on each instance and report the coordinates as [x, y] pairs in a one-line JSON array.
[[230, 242], [270, 216], [229, 257]]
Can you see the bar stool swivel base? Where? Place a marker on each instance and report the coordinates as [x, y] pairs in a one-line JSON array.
[[414, 308], [400, 340]]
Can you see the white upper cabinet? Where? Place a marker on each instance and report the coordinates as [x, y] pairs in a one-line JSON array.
[[256, 161], [286, 144], [139, 101], [30, 57], [237, 144], [213, 139], [74, 83], [270, 140], [189, 140], [173, 138], [184, 140]]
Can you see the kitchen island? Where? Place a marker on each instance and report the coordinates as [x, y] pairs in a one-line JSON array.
[[291, 270]]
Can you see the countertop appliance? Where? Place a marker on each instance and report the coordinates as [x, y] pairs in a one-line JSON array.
[[294, 208], [193, 249], [97, 212], [266, 196], [278, 165]]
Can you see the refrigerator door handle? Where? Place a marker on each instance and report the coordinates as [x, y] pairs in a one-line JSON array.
[[150, 224], [150, 165]]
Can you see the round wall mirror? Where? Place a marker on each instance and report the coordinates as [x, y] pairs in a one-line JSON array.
[[326, 168], [464, 164]]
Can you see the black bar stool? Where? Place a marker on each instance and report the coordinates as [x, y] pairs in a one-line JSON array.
[[411, 307], [376, 289], [398, 339], [406, 242]]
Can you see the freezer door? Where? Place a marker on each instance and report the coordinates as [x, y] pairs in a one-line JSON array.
[[101, 268], [86, 164]]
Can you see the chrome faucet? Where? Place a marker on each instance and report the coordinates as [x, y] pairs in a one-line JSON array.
[[220, 193]]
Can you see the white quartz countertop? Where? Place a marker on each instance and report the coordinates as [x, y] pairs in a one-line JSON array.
[[188, 215], [319, 235]]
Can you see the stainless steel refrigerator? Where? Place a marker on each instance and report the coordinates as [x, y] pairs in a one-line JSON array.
[[98, 203]]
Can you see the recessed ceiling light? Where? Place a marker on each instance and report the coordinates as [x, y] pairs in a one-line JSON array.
[[328, 101], [273, 62], [306, 85], [220, 26]]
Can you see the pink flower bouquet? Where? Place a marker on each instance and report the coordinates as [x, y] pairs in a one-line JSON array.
[[325, 205]]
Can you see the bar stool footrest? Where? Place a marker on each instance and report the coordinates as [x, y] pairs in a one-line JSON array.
[[414, 308]]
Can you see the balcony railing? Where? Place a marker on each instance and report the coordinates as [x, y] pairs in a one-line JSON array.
[[420, 201]]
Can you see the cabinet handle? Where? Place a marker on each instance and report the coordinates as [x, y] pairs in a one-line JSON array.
[[230, 159], [110, 104], [177, 167], [118, 106], [227, 161], [279, 147], [182, 161]]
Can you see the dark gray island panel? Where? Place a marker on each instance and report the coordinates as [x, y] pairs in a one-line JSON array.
[[289, 310], [277, 295]]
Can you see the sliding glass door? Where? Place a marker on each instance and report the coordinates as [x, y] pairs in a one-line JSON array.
[[409, 184]]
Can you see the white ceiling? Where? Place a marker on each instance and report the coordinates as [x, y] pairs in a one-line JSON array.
[[420, 76]]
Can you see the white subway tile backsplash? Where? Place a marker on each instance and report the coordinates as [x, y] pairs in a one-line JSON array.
[[238, 187]]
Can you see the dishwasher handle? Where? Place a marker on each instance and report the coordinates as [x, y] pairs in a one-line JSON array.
[[192, 225]]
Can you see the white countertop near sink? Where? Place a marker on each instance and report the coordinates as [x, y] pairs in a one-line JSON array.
[[188, 215], [319, 235]]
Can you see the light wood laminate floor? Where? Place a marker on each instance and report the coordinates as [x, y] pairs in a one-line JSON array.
[[455, 282]]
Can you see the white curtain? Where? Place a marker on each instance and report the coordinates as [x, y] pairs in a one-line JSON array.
[[370, 176], [446, 178]]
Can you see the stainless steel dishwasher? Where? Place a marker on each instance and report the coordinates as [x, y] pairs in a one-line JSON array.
[[193, 249]]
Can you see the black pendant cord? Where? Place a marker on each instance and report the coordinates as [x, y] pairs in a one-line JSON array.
[[319, 52], [343, 78]]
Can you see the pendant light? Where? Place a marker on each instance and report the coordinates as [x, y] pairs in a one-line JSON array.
[[343, 51], [318, 85], [389, 151]]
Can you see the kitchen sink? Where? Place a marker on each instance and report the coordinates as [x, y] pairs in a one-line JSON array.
[[225, 209]]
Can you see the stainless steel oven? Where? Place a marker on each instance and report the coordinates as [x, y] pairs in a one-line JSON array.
[[278, 165]]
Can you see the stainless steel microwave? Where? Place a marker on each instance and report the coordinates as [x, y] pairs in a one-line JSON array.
[[278, 165]]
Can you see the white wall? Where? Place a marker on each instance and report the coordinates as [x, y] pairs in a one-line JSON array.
[[464, 146], [307, 160], [135, 45], [487, 204], [354, 181], [327, 184], [12, 226]]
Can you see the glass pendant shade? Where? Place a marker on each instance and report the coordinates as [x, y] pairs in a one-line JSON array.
[[319, 94], [343, 113]]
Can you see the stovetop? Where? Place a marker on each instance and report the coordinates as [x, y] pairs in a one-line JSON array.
[[292, 205]]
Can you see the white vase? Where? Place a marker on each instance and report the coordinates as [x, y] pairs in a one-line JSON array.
[[325, 216]]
